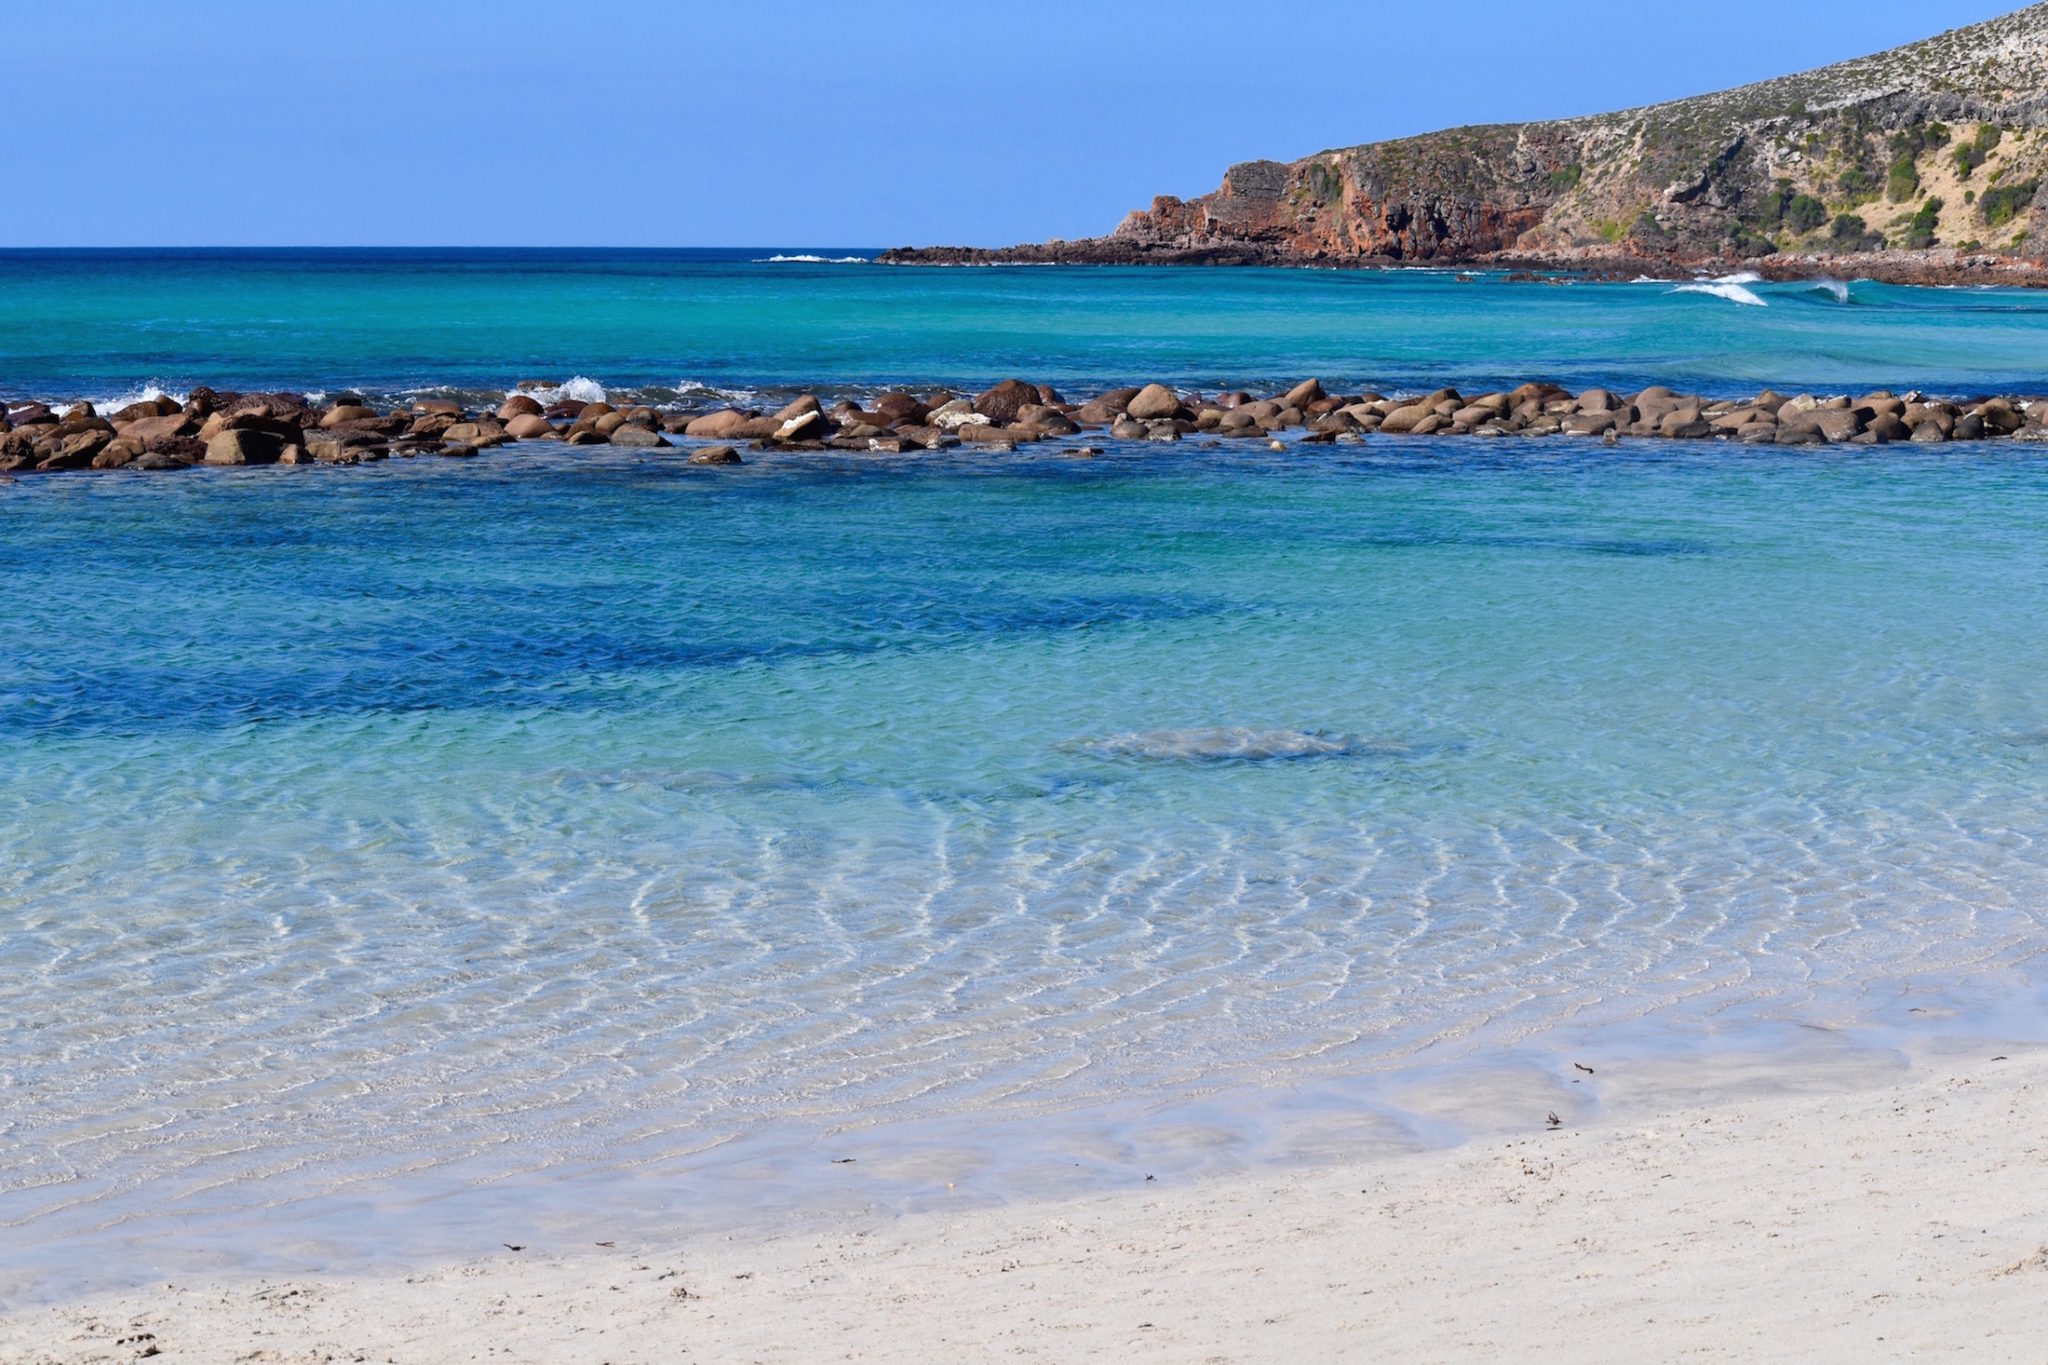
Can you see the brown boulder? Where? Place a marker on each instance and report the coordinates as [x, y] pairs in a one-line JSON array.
[[1151, 403], [901, 407], [717, 426], [243, 446], [346, 413], [75, 451], [159, 428], [1301, 395], [634, 435], [1002, 403], [121, 452], [518, 405], [716, 455], [529, 426]]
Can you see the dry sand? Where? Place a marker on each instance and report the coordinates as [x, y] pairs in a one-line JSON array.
[[1895, 1216]]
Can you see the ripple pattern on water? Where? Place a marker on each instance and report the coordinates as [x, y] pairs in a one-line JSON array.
[[426, 822]]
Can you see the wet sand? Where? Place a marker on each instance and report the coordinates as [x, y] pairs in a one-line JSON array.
[[1853, 1212]]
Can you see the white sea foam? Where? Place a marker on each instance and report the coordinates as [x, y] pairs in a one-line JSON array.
[[1734, 288], [804, 259], [1836, 289], [579, 390], [107, 407]]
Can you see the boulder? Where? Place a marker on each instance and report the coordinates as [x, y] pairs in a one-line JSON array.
[[158, 460], [243, 446], [1002, 403], [633, 435], [1128, 429], [160, 406], [717, 426], [900, 408], [518, 405], [805, 426], [1152, 402], [161, 427], [75, 451], [716, 455], [1301, 395], [120, 452], [529, 426], [1043, 417], [801, 407], [438, 407]]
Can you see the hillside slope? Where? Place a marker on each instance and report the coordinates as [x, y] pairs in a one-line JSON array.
[[1923, 156]]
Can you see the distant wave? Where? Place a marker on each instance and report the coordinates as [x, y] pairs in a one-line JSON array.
[[1238, 744], [1734, 288], [578, 390], [813, 260], [687, 388], [1834, 289]]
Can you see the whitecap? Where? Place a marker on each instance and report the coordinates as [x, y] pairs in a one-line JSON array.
[[148, 393], [805, 259], [579, 390], [1728, 289], [1238, 744], [1835, 289]]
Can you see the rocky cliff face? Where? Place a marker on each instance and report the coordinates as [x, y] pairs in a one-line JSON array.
[[1933, 156]]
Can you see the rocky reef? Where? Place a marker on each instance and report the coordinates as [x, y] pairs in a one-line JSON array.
[[281, 429], [1926, 164]]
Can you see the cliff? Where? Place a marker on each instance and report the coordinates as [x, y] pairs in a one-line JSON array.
[[1926, 162]]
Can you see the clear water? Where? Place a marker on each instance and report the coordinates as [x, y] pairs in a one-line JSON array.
[[392, 855], [428, 824], [106, 323]]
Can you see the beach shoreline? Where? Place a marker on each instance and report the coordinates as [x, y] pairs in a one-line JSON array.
[[1856, 1209]]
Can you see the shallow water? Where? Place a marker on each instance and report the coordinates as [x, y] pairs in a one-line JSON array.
[[433, 826], [692, 325]]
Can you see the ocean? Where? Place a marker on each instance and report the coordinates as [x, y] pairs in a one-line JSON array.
[[396, 857]]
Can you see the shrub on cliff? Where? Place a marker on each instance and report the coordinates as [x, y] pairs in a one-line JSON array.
[[2006, 202], [1805, 213]]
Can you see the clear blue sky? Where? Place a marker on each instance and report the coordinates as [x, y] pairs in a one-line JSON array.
[[631, 122]]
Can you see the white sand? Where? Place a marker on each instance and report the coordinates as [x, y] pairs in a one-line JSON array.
[[1902, 1220]]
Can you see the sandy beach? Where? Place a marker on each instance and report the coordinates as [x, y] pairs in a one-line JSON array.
[[1842, 1216]]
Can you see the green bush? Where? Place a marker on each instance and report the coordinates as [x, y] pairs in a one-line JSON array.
[[1566, 179], [2000, 206], [1903, 182], [1847, 228], [1805, 213], [1920, 231]]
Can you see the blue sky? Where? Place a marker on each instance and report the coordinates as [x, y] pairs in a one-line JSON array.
[[628, 122]]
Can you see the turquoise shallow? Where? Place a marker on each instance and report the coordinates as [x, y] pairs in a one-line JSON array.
[[378, 839], [385, 322]]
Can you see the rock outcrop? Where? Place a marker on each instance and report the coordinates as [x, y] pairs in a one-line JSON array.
[[1927, 163]]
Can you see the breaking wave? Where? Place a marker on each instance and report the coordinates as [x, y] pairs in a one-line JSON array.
[[1734, 288], [806, 259], [578, 390]]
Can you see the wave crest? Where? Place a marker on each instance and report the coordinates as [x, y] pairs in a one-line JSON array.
[[1734, 288], [578, 390]]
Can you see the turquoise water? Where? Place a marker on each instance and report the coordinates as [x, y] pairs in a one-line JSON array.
[[393, 856], [105, 324], [372, 835]]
